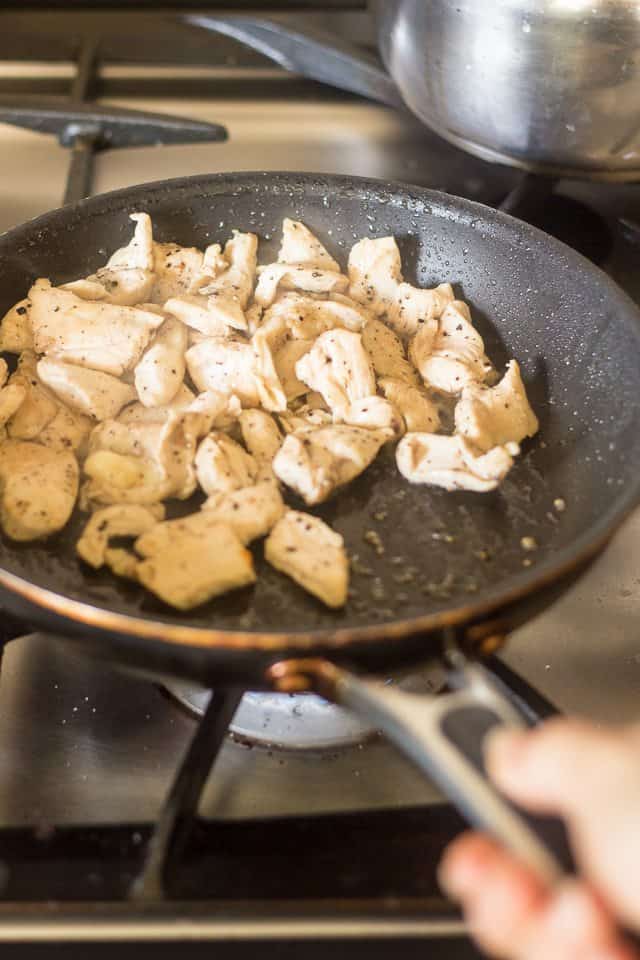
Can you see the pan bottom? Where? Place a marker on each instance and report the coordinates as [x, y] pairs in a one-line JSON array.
[[301, 721]]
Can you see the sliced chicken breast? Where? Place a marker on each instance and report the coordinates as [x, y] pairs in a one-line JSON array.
[[223, 465], [192, 560], [262, 439], [16, 334], [128, 277], [387, 353], [339, 368], [101, 336], [119, 520], [160, 372], [450, 462], [299, 245], [492, 416], [251, 512], [226, 366], [38, 489], [456, 356], [38, 407], [312, 554], [211, 316], [295, 277], [236, 282], [419, 413], [375, 270], [284, 360], [88, 392]]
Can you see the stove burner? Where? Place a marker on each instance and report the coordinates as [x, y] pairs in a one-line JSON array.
[[291, 721], [577, 225], [300, 721]]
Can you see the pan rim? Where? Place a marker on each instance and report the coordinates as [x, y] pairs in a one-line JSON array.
[[521, 585]]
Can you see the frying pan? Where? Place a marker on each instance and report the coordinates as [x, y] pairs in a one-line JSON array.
[[452, 577]]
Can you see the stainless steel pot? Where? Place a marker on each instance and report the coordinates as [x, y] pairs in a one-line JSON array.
[[552, 86], [549, 85]]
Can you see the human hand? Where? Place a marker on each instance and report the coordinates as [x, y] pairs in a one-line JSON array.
[[591, 778]]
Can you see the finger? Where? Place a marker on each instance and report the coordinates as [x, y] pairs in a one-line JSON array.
[[555, 767], [500, 897]]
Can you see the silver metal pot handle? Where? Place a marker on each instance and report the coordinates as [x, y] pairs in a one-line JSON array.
[[444, 737], [312, 53]]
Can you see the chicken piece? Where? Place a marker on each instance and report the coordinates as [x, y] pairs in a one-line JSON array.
[[177, 271], [220, 410], [456, 356], [101, 336], [127, 278], [414, 306], [214, 262], [119, 520], [121, 562], [315, 462], [450, 462], [226, 366], [192, 560], [262, 439], [300, 246], [236, 282], [339, 368], [251, 512], [387, 352], [161, 370], [67, 431], [493, 416], [38, 407], [253, 317], [285, 360], [88, 392], [304, 418], [223, 465], [419, 413], [138, 413], [211, 316], [375, 413], [295, 277], [375, 271], [16, 334], [311, 553], [86, 289], [144, 462], [38, 489], [11, 399], [422, 345], [270, 336], [307, 317]]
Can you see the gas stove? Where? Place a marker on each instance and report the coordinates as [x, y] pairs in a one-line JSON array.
[[312, 833]]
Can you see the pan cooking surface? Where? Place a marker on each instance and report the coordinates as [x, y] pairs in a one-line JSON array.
[[416, 550]]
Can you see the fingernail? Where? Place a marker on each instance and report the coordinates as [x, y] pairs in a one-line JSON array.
[[505, 748]]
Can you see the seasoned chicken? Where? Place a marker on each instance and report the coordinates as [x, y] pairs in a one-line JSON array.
[[303, 418], [295, 277], [375, 271], [262, 439], [119, 520], [312, 554], [38, 489], [226, 366], [284, 360], [16, 334], [492, 416], [253, 317], [211, 316], [138, 413], [375, 413], [88, 392], [223, 465], [419, 413], [456, 356], [236, 282], [38, 407], [251, 512], [315, 462], [86, 289], [339, 368], [192, 560], [160, 372], [11, 399], [121, 562], [300, 246], [413, 307], [176, 271], [128, 277], [67, 431], [450, 462], [220, 410], [101, 336], [307, 317], [270, 336], [386, 352]]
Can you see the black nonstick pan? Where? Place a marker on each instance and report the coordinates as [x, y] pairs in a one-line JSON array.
[[452, 574]]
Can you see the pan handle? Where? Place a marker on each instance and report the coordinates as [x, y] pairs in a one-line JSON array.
[[309, 52], [444, 737]]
